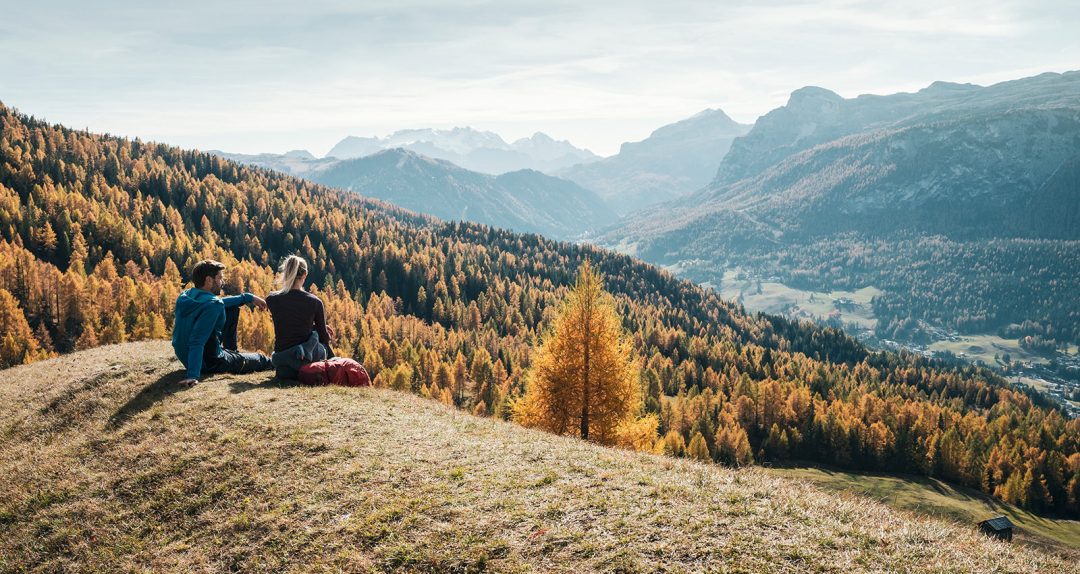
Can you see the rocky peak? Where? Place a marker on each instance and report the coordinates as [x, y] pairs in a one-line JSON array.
[[814, 102]]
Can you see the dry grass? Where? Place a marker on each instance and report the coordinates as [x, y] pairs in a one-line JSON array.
[[106, 466], [929, 496]]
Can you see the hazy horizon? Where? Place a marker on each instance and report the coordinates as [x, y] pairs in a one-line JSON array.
[[255, 77]]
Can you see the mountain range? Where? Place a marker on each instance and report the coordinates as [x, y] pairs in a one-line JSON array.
[[978, 173], [964, 163], [524, 200], [445, 173], [297, 162], [953, 159], [674, 160], [481, 151]]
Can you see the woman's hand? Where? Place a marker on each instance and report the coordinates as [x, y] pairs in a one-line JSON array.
[[331, 333]]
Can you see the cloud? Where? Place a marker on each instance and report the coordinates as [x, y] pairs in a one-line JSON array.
[[598, 73]]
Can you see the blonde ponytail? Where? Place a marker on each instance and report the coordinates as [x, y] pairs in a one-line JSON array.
[[292, 267]]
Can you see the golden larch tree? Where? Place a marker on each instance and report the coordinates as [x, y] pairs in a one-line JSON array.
[[17, 342], [584, 380]]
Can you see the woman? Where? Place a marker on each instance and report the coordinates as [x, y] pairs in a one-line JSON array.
[[301, 335]]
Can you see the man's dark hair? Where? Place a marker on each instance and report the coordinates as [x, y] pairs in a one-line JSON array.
[[204, 269]]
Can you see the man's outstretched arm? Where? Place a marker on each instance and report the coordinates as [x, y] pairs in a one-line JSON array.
[[244, 299]]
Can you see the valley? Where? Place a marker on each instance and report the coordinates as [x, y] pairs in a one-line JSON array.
[[943, 222], [853, 312]]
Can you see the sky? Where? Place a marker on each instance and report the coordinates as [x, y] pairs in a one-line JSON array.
[[268, 76]]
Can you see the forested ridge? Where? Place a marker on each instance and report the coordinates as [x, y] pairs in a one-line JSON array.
[[96, 232]]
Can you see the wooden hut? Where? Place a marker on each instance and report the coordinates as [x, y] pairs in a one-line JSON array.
[[999, 527]]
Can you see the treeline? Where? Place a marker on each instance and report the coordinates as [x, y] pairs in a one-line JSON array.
[[96, 235]]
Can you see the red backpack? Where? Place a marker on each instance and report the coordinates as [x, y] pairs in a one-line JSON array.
[[337, 371]]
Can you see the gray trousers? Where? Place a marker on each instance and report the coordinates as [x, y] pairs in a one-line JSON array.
[[289, 361]]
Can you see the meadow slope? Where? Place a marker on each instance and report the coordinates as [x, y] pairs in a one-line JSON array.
[[106, 465]]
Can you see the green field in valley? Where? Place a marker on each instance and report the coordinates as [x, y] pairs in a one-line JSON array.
[[984, 347], [775, 297]]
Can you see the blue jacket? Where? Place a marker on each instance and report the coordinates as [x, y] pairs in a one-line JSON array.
[[200, 315]]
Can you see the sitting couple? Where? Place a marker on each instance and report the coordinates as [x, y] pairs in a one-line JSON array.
[[204, 334]]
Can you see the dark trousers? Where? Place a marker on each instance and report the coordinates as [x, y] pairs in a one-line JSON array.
[[230, 360], [289, 361]]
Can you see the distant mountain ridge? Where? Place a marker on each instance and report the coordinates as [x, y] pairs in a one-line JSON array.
[[475, 150], [297, 162], [524, 200], [674, 160], [814, 116], [984, 170], [947, 159]]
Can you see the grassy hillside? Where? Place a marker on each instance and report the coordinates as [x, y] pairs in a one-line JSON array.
[[107, 465], [936, 498]]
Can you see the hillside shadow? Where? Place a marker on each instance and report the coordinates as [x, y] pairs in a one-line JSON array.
[[167, 385], [937, 487], [237, 387], [995, 504]]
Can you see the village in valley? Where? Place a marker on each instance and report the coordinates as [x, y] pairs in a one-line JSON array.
[[1057, 375]]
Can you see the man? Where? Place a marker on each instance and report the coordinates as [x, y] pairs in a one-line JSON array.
[[205, 323]]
